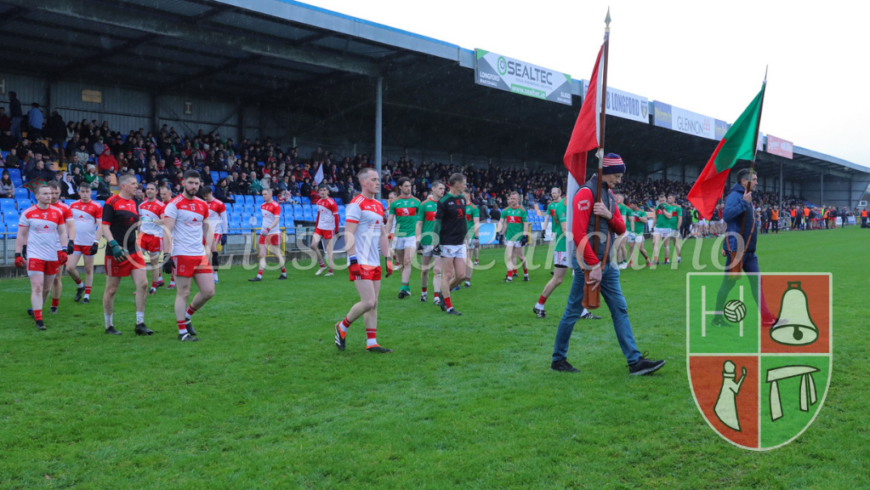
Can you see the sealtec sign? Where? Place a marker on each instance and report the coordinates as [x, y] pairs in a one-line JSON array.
[[624, 104], [781, 147], [511, 75]]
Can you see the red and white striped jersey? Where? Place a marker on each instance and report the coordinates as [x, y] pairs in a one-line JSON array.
[[43, 238], [189, 215], [87, 217], [67, 218], [271, 211], [327, 214], [217, 216], [369, 216], [149, 213]]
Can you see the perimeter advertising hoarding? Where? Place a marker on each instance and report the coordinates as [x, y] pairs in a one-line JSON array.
[[511, 75], [625, 104], [779, 146], [671, 117]]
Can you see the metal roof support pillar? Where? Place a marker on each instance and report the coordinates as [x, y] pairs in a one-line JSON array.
[[47, 105], [241, 124], [822, 190], [155, 124], [780, 185], [379, 130]]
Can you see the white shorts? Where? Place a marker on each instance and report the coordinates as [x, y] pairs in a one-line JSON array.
[[404, 242], [664, 232], [515, 244], [701, 222], [428, 251], [453, 251], [560, 259], [635, 238]]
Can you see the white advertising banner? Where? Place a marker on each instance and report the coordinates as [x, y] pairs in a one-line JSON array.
[[625, 104], [693, 123], [504, 73]]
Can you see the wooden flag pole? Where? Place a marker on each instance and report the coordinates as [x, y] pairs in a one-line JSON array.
[[737, 262], [591, 299]]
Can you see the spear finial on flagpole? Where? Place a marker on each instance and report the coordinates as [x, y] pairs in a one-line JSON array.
[[765, 73], [607, 19]]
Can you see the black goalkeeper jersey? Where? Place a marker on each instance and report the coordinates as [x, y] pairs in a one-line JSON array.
[[451, 212], [122, 216]]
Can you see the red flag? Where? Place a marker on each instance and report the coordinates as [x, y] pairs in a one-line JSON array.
[[585, 134]]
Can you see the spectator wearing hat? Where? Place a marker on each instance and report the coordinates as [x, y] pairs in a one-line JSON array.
[[107, 161]]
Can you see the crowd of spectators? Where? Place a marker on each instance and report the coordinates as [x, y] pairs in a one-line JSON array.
[[93, 153]]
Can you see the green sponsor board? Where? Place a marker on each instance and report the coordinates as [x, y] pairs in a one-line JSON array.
[[511, 75]]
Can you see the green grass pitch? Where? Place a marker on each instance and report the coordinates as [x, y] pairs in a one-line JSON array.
[[266, 401]]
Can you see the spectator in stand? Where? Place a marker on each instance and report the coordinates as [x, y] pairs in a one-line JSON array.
[[55, 129], [7, 188], [104, 190], [78, 177], [69, 191], [36, 121], [107, 161], [7, 142], [223, 192], [5, 121], [255, 188], [39, 171], [16, 115]]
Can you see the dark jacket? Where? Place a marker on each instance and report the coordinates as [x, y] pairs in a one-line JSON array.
[[735, 209], [14, 106]]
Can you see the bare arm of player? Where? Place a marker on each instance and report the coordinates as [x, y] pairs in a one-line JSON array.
[[349, 243], [631, 220], [208, 233], [168, 226], [384, 243], [62, 232], [476, 227], [23, 233], [500, 228], [275, 223], [225, 224], [418, 231], [70, 229]]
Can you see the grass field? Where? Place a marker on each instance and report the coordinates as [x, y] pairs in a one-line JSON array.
[[266, 401]]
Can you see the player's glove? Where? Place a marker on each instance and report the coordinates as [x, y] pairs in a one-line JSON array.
[[436, 250], [354, 268], [524, 240], [419, 248], [24, 251], [19, 261], [95, 248], [70, 247], [167, 267], [117, 250], [389, 267], [62, 257]]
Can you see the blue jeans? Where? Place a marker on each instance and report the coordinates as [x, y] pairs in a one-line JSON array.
[[612, 293]]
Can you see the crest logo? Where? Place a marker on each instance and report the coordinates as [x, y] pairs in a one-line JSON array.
[[759, 351]]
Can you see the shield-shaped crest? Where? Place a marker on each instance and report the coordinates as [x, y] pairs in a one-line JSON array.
[[759, 353]]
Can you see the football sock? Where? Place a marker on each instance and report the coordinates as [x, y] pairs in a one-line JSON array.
[[190, 311], [87, 291], [345, 324], [322, 265], [525, 270], [55, 302], [584, 312], [79, 284], [140, 317], [448, 303], [283, 271], [182, 326], [37, 315], [153, 284], [108, 319], [541, 301], [260, 273], [424, 290], [371, 341]]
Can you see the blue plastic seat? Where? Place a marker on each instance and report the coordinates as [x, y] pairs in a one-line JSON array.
[[222, 175], [258, 200], [214, 176], [7, 204], [297, 210], [22, 193], [384, 202], [10, 216], [307, 216], [305, 200], [13, 172], [23, 204]]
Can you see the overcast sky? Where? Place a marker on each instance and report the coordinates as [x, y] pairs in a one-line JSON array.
[[702, 56]]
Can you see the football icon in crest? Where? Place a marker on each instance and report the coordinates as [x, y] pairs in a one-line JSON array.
[[735, 311]]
